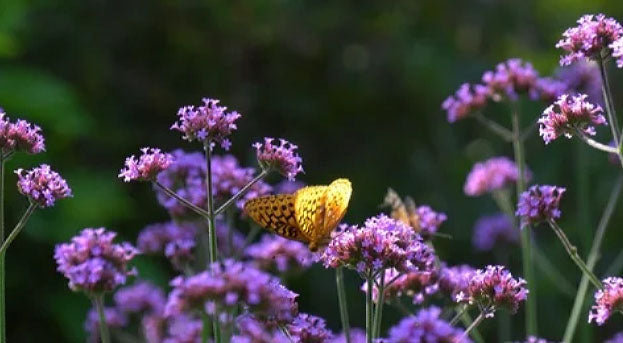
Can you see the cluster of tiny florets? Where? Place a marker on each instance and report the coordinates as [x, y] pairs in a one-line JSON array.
[[19, 136], [467, 99], [208, 122], [228, 177], [42, 185], [454, 280], [494, 231], [282, 158], [426, 325], [274, 253], [114, 319], [540, 203], [569, 115], [491, 175], [417, 285], [147, 166], [175, 240], [608, 300], [590, 39]]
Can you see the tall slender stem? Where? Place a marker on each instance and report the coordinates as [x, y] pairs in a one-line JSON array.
[[473, 325], [593, 256], [595, 144], [212, 244], [200, 211], [526, 250], [205, 327], [2, 257], [494, 127], [573, 253], [378, 315], [369, 334], [459, 313], [241, 192], [605, 88], [466, 319], [18, 228], [98, 302], [341, 298]]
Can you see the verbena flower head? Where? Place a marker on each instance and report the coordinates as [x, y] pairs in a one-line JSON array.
[[582, 77], [142, 297], [381, 243], [415, 284], [229, 284], [492, 288], [228, 177], [274, 253], [42, 185], [617, 51], [467, 100], [569, 114], [425, 326], [608, 300], [510, 78], [590, 39], [491, 175], [309, 329], [208, 122], [183, 329], [454, 280], [175, 240], [429, 221], [281, 158], [20, 136], [147, 166], [492, 231], [547, 89], [357, 335], [252, 331], [186, 177], [539, 203], [114, 319], [93, 263], [618, 338]]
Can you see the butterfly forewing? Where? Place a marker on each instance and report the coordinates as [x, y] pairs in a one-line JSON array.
[[309, 207], [276, 213], [336, 203]]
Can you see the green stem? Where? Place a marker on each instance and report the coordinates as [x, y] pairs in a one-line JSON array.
[[503, 200], [98, 302], [18, 228], [573, 253], [378, 315], [466, 319], [2, 257], [369, 333], [241, 192], [205, 327], [593, 256], [494, 127], [212, 244], [473, 325], [200, 211], [459, 313], [605, 89], [595, 144], [341, 298], [286, 333], [526, 250], [551, 272]]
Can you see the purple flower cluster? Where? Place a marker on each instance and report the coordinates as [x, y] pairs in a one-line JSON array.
[[492, 288], [617, 51], [253, 331], [142, 297], [415, 284], [534, 339], [114, 319], [608, 300], [590, 39], [492, 231], [183, 329], [274, 253], [93, 263], [539, 203], [510, 78], [147, 166], [425, 326], [209, 122], [547, 89], [42, 185], [231, 283], [281, 158], [176, 240], [309, 329], [186, 177], [381, 243], [467, 99], [568, 115], [357, 335], [228, 177], [491, 175], [429, 221], [19, 136], [455, 280], [582, 77], [618, 338]]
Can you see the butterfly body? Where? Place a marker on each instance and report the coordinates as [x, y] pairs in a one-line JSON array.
[[309, 215]]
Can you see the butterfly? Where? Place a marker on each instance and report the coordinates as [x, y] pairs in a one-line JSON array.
[[309, 215], [404, 211]]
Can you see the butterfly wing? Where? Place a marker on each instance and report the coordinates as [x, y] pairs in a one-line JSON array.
[[336, 203], [309, 207], [398, 207], [276, 213]]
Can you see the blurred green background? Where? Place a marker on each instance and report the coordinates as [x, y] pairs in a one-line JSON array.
[[356, 84]]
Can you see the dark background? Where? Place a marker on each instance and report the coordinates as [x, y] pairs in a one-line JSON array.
[[356, 84]]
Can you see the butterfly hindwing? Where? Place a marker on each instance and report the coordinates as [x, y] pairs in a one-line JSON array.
[[309, 207], [336, 203], [276, 213]]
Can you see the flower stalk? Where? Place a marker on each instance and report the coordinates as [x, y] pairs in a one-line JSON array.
[[612, 117], [18, 228], [182, 201], [596, 145], [2, 257], [241, 192], [369, 314], [98, 303], [473, 325], [378, 314], [341, 297]]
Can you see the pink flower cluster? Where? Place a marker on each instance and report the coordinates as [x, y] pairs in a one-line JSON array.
[[147, 166], [569, 115], [415, 284], [274, 253], [281, 158], [491, 175], [590, 39], [42, 185], [19, 136], [608, 300]]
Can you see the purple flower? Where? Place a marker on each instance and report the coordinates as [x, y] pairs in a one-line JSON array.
[[274, 253], [42, 185], [570, 114], [492, 231], [533, 339], [539, 203], [20, 136], [618, 338], [209, 122], [582, 77], [309, 329], [175, 240], [142, 297], [617, 51], [467, 99], [429, 220], [380, 244], [93, 263], [229, 284], [415, 284], [183, 329], [492, 288], [114, 319], [454, 280], [608, 300], [425, 326], [228, 177], [288, 187], [491, 175], [590, 39], [510, 78], [253, 331], [282, 158], [547, 89], [357, 335], [147, 166]]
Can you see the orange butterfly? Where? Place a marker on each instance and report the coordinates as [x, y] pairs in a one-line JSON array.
[[309, 215]]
